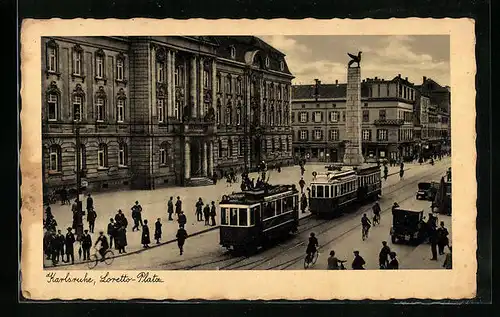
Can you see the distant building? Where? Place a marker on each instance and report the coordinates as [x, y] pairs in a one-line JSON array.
[[318, 119], [162, 110]]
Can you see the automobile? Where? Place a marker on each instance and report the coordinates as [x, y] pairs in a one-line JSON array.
[[407, 226], [427, 190]]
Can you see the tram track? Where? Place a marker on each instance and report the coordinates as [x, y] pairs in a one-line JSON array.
[[233, 265]]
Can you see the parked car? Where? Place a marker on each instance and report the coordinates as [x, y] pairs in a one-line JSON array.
[[407, 226], [427, 190]]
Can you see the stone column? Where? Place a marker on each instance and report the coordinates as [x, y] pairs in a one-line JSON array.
[[153, 81], [353, 155], [172, 87], [210, 159], [204, 160], [169, 84], [193, 96], [201, 101], [214, 84], [187, 160]]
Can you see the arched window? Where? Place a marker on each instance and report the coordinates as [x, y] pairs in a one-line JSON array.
[[219, 83], [232, 51], [271, 116], [102, 156], [229, 113], [78, 99], [166, 155], [282, 65], [218, 114], [219, 147], [122, 154], [230, 148], [52, 56], [53, 99], [120, 105], [77, 60], [82, 156], [120, 67], [239, 89], [100, 105], [267, 61], [100, 59], [228, 84], [238, 115], [55, 159]]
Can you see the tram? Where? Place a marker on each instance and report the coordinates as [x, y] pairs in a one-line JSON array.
[[252, 217], [333, 192]]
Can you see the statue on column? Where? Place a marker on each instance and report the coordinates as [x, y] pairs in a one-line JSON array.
[[354, 59]]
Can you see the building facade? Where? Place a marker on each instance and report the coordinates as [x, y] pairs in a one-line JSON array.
[[318, 116], [156, 111]]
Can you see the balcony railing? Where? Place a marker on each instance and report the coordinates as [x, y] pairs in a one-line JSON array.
[[388, 122]]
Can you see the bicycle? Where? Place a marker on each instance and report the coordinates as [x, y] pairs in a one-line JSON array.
[[376, 220], [95, 259], [310, 259], [364, 232]]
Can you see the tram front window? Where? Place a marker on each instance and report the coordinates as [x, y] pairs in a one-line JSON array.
[[320, 192], [243, 217], [253, 213], [224, 218], [233, 217]]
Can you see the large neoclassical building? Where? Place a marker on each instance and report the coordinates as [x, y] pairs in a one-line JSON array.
[[159, 111]]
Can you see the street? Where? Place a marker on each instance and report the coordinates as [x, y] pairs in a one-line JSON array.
[[203, 252]]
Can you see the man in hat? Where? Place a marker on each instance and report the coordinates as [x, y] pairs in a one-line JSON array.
[[199, 213], [393, 264], [206, 214], [178, 206], [111, 231], [212, 213], [358, 262], [90, 203], [382, 256], [170, 208], [182, 219], [69, 244], [181, 238], [86, 244], [104, 246]]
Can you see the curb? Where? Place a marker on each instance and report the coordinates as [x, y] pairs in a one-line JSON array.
[[173, 240]]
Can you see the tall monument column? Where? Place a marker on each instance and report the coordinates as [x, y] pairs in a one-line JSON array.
[[353, 155]]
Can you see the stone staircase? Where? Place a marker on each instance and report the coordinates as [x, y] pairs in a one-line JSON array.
[[199, 181]]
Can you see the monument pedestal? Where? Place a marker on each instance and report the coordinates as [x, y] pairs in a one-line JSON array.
[[353, 154]]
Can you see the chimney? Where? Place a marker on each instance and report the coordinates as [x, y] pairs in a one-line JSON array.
[[424, 79], [336, 81], [399, 75]]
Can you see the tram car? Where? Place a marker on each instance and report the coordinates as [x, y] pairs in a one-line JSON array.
[[332, 193], [253, 217]]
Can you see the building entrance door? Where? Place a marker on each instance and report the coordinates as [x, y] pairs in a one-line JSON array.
[[196, 157]]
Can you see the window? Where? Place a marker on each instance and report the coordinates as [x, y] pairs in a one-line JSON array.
[[102, 156], [177, 81], [318, 134], [366, 115], [229, 114], [99, 66], [267, 61], [343, 115], [122, 154], [303, 135], [366, 135], [77, 62], [334, 135], [161, 110], [119, 69], [317, 116], [287, 144], [238, 116], [120, 110], [55, 159], [82, 157], [320, 192], [381, 114], [176, 109], [253, 211], [77, 108], [163, 156], [239, 87], [233, 216], [52, 52], [218, 114], [224, 216], [242, 217], [160, 72], [220, 148], [228, 85], [327, 191], [293, 117], [334, 116], [99, 103], [279, 93], [230, 148], [219, 83], [278, 207], [52, 105], [382, 135], [303, 117], [233, 52], [271, 116], [206, 79], [282, 65]]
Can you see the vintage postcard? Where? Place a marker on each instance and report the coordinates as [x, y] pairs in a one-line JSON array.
[[238, 159]]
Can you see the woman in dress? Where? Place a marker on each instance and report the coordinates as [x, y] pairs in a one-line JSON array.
[[145, 239]]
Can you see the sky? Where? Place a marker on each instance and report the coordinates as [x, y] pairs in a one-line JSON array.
[[325, 57]]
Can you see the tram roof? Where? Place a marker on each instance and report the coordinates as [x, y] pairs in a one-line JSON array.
[[257, 195]]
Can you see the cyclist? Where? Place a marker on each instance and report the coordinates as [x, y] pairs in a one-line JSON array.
[[365, 222], [312, 246], [104, 244], [376, 212], [333, 262]]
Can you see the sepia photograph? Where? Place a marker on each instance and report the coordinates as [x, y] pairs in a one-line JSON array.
[[244, 152]]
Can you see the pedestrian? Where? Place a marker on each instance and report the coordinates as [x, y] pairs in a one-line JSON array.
[[90, 203], [74, 207], [302, 183], [433, 240], [170, 208], [303, 203], [448, 260], [136, 216], [386, 172], [120, 219], [382, 256], [86, 244], [401, 173], [178, 206], [121, 239], [69, 244], [158, 230], [206, 214], [182, 219], [443, 241], [91, 217], [213, 213], [394, 263], [145, 238], [333, 262], [53, 248], [181, 238], [199, 207], [111, 231], [358, 262], [64, 197], [60, 245]]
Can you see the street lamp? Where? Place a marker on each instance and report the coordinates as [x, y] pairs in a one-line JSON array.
[[78, 217]]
